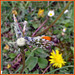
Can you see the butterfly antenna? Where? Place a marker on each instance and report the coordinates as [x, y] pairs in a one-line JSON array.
[[24, 27]]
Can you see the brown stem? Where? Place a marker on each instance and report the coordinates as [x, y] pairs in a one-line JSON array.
[[40, 27], [46, 69], [40, 69], [23, 57], [55, 20], [48, 5], [23, 60]]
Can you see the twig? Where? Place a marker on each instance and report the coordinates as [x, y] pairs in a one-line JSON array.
[[48, 5], [23, 60], [46, 69], [41, 69], [23, 53], [20, 26], [55, 20], [1, 57], [40, 27]]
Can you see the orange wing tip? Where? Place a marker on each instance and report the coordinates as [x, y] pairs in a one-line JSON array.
[[46, 37]]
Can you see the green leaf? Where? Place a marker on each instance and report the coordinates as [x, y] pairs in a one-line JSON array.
[[12, 55], [36, 72], [35, 26], [42, 62], [18, 70], [5, 72], [67, 24], [26, 71], [72, 48], [56, 31], [56, 48], [5, 51], [28, 53], [32, 61], [40, 52]]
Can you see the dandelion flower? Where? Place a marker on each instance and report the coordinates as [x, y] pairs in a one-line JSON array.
[[14, 12], [41, 13], [56, 59], [66, 11], [51, 13], [6, 47], [8, 66], [64, 29], [20, 41]]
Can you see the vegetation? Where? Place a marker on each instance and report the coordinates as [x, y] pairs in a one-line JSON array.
[[36, 14]]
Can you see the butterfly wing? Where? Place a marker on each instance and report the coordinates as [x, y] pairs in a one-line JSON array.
[[39, 42], [16, 28]]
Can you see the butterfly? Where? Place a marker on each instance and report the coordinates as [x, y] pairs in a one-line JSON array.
[[44, 42]]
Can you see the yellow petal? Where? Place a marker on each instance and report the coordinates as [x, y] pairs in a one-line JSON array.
[[57, 52], [51, 57]]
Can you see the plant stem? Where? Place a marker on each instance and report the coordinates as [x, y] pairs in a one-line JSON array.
[[55, 20], [59, 69], [20, 26], [1, 58], [23, 60], [48, 5], [40, 27], [30, 54], [46, 69]]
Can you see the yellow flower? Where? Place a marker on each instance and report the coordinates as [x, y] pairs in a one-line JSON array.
[[6, 47], [14, 12], [8, 66], [41, 13], [56, 59]]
